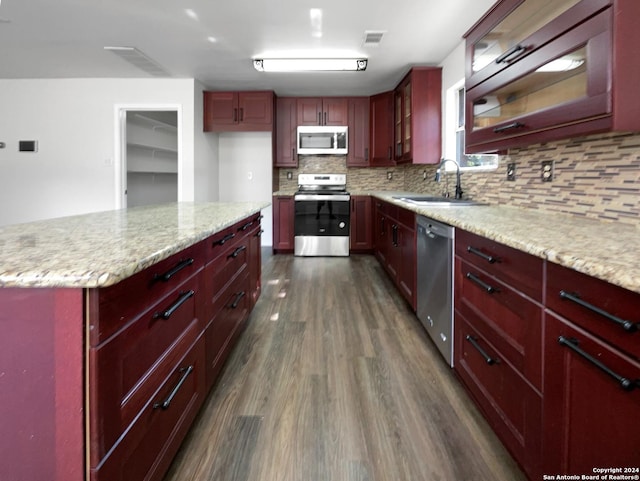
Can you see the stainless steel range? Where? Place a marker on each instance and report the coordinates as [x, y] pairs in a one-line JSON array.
[[321, 222]]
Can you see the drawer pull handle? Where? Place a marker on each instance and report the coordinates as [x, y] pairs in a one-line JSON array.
[[172, 272], [245, 227], [514, 125], [259, 233], [236, 252], [394, 235], [626, 384], [224, 240], [236, 301], [626, 325], [474, 342], [181, 300], [517, 49], [490, 289], [486, 257], [164, 405]]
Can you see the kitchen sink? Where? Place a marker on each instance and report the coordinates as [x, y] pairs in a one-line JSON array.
[[434, 201]]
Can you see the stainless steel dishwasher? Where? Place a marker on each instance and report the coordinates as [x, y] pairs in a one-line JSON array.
[[435, 282]]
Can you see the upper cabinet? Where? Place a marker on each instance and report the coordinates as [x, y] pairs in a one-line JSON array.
[[572, 76], [322, 111], [358, 152], [238, 111], [417, 116], [381, 129], [285, 154]]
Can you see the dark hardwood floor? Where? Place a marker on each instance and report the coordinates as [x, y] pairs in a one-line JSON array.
[[335, 379]]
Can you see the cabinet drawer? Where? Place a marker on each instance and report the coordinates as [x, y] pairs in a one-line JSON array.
[[510, 321], [610, 312], [590, 419], [148, 446], [511, 406], [518, 269], [126, 369], [221, 273], [113, 307], [226, 323]]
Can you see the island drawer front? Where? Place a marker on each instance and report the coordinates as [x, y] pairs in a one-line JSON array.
[[218, 244], [221, 273], [511, 321], [518, 269], [512, 406], [112, 308], [226, 324], [613, 300], [148, 446], [125, 370]]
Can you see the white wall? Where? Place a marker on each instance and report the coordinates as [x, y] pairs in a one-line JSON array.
[[206, 153], [73, 121], [245, 171]]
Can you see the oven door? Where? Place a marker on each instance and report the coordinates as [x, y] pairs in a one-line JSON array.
[[321, 224]]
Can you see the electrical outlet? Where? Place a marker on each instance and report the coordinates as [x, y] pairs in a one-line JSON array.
[[511, 171], [547, 171], [289, 175], [389, 175], [424, 175]]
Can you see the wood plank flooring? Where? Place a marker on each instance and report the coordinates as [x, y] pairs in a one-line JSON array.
[[335, 380]]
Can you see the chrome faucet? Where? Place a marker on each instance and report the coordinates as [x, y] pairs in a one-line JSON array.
[[458, 194]]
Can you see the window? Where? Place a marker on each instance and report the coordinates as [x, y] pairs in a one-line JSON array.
[[454, 135]]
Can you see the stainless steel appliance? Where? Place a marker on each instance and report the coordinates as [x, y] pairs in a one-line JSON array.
[[321, 222], [435, 282], [322, 140]]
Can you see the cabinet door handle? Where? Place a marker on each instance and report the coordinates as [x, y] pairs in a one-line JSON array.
[[382, 226], [241, 114], [474, 342], [394, 230], [319, 118], [628, 326], [245, 227], [236, 301], [224, 240], [486, 257], [235, 115], [293, 152], [366, 153], [236, 252], [325, 119], [514, 125], [169, 312], [389, 153], [164, 405], [625, 383], [166, 277], [490, 289], [517, 49]]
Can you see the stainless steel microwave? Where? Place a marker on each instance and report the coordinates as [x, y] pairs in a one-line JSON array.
[[322, 140]]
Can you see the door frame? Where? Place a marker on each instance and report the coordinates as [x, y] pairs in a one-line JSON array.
[[120, 145]]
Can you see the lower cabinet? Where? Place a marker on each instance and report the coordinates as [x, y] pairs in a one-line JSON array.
[[395, 246], [361, 234], [283, 214]]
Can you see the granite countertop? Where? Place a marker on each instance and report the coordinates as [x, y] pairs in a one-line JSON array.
[[605, 250], [103, 248]]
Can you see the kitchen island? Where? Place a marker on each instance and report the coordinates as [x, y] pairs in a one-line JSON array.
[[114, 327]]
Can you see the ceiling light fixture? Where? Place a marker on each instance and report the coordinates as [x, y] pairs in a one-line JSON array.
[[310, 64]]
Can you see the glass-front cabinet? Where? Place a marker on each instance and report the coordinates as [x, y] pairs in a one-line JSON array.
[[515, 28]]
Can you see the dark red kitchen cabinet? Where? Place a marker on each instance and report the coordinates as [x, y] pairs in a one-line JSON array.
[[361, 235], [238, 111], [322, 111], [358, 133], [407, 262], [418, 116], [255, 264], [590, 420], [531, 100], [286, 132], [283, 213], [381, 130]]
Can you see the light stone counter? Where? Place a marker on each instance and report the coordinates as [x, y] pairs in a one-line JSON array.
[[101, 249], [605, 250]]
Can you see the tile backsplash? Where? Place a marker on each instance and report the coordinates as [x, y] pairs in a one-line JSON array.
[[594, 177]]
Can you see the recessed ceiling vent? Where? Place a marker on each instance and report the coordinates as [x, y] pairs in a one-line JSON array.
[[136, 58], [372, 38]]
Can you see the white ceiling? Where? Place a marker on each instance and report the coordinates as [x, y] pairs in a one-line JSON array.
[[66, 39]]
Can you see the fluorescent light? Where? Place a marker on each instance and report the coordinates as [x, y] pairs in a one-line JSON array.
[[309, 64], [560, 65]]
